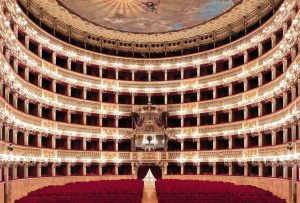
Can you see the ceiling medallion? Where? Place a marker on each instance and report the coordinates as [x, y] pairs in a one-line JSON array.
[[148, 16]]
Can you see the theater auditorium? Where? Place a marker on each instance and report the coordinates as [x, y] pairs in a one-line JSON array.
[[149, 101]]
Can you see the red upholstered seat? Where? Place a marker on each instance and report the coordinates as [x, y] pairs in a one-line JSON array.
[[106, 191], [194, 191]]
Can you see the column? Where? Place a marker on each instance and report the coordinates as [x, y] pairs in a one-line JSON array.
[[260, 79], [26, 73], [214, 92], [245, 112], [84, 143], [245, 84], [68, 116], [166, 75], [246, 141], [100, 71], [14, 171], [260, 169], [85, 68], [166, 98], [69, 64], [273, 72], [68, 169], [198, 168], [246, 56], [116, 169], [84, 114], [39, 108], [230, 140], [230, 64], [39, 169], [214, 118], [230, 89], [294, 132], [100, 145], [27, 41], [273, 40], [6, 172], [39, 140], [68, 142], [294, 179], [246, 169], [198, 145], [182, 145], [214, 168], [259, 109], [116, 145], [54, 58], [53, 85], [230, 169], [273, 101], [100, 169], [53, 142], [273, 137], [214, 67], [273, 171], [16, 30], [53, 114], [53, 169], [284, 63], [6, 134], [40, 50], [285, 99], [69, 90], [198, 95], [198, 70], [16, 63], [26, 134], [149, 75], [214, 143], [181, 168], [260, 139], [7, 91], [84, 169], [294, 92], [132, 75], [285, 135], [40, 80], [15, 136], [260, 49], [84, 93], [285, 172], [26, 170], [230, 115]]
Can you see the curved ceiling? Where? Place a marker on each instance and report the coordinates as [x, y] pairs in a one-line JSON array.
[[148, 16]]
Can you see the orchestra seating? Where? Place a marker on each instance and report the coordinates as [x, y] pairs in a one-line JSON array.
[[194, 191], [106, 191]]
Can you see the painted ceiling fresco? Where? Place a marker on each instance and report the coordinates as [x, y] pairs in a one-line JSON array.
[[148, 16]]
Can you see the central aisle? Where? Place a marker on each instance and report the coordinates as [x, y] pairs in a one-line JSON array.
[[149, 195]]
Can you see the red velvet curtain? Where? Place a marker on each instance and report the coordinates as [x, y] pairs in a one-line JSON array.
[[142, 172], [155, 170]]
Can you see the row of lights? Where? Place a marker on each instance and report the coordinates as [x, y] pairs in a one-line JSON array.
[[279, 159], [16, 13], [16, 84], [284, 47], [8, 117]]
